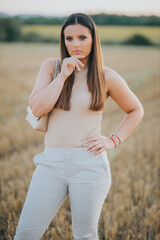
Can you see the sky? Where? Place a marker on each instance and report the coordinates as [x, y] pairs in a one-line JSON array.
[[66, 7]]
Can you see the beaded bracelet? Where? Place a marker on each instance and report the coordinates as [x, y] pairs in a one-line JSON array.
[[115, 134]]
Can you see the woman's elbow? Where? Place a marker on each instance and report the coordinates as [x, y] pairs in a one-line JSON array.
[[36, 113], [35, 109], [30, 102], [140, 110]]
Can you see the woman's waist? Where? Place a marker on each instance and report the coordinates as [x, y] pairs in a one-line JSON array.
[[62, 139], [71, 135]]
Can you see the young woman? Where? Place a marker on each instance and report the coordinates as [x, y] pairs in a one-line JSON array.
[[75, 99]]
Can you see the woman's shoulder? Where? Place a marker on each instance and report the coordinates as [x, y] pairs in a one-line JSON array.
[[114, 81], [109, 74], [49, 64]]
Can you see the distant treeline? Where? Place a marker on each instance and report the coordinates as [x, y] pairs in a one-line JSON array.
[[99, 19], [10, 31]]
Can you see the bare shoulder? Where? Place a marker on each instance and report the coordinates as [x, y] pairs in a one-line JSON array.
[[108, 73], [113, 80], [49, 65], [108, 70]]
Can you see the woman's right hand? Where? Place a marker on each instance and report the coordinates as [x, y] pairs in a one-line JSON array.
[[70, 64]]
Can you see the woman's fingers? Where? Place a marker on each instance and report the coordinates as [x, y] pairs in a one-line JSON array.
[[91, 149], [77, 60], [99, 151], [77, 66], [76, 63], [69, 65], [80, 62]]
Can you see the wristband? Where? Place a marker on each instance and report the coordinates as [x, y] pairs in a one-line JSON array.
[[114, 142], [115, 134]]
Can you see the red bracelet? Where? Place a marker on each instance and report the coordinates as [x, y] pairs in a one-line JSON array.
[[119, 139], [115, 134], [114, 142]]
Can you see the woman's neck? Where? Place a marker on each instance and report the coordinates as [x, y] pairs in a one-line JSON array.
[[83, 69]]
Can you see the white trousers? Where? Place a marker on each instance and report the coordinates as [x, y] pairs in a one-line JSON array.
[[59, 172]]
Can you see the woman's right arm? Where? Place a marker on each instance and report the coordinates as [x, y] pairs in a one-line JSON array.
[[46, 92]]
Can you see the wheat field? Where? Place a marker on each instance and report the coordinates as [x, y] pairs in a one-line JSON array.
[[132, 210]]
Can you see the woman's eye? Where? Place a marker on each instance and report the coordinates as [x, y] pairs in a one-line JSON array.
[[68, 38], [82, 37]]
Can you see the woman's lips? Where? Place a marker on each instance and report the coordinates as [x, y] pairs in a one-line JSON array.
[[77, 51]]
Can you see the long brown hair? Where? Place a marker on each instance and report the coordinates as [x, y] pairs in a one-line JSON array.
[[95, 75]]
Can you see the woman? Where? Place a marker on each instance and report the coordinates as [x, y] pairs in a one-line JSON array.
[[75, 99]]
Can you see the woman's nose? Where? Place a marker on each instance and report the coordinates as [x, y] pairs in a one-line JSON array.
[[76, 43]]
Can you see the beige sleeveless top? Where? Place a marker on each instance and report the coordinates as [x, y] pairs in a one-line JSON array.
[[68, 129]]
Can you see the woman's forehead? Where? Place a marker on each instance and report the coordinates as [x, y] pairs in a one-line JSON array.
[[76, 29]]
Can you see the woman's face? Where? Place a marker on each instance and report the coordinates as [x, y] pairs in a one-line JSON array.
[[78, 40]]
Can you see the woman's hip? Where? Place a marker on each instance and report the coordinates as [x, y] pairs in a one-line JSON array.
[[75, 164]]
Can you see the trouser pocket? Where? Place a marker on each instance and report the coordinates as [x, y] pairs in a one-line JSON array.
[[103, 158]]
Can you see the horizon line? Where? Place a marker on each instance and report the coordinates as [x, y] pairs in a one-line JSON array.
[[138, 14]]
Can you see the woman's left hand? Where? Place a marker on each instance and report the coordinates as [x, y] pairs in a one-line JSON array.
[[99, 143]]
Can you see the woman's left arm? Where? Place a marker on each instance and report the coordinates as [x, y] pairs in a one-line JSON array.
[[120, 92], [127, 101]]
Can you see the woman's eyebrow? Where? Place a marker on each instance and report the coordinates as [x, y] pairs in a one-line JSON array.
[[78, 35]]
